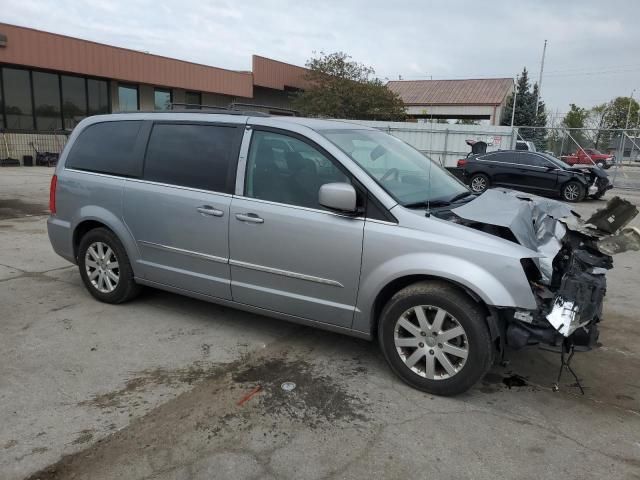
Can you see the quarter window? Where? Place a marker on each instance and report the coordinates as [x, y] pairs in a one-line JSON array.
[[196, 156], [284, 169], [108, 147]]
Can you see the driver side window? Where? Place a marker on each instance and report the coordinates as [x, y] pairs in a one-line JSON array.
[[284, 169]]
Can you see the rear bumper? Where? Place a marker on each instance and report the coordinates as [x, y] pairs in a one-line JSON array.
[[61, 238]]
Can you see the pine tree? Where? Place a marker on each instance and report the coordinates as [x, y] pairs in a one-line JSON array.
[[525, 113]]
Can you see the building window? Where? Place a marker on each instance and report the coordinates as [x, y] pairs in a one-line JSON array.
[[17, 92], [74, 100], [128, 98], [1, 102], [192, 100], [162, 99], [98, 91], [46, 96]]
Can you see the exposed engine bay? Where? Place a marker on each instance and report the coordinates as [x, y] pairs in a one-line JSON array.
[[568, 274]]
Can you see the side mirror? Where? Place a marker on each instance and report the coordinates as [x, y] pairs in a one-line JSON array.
[[550, 168], [338, 196]]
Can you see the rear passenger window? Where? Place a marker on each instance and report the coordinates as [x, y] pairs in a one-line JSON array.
[[108, 147], [196, 156]]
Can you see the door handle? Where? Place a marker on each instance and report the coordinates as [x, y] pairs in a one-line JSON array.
[[208, 210], [249, 217]]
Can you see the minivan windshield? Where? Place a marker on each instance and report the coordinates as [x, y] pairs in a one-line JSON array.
[[406, 174]]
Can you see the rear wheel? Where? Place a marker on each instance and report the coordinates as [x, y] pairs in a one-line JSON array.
[[435, 338], [105, 268], [479, 182], [572, 191]]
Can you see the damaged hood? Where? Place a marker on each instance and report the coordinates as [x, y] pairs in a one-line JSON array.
[[537, 223], [541, 224]]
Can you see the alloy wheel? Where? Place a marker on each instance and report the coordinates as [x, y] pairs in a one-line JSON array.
[[478, 184], [571, 192], [102, 267], [431, 342]]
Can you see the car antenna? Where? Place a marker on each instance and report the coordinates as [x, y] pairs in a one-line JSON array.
[[428, 212]]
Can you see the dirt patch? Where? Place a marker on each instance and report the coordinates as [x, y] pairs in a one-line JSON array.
[[84, 437], [315, 400], [14, 208], [148, 378], [208, 418]]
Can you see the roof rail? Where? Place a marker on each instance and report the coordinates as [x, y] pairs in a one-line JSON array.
[[202, 108], [291, 111]]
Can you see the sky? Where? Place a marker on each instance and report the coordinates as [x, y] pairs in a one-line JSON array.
[[591, 53]]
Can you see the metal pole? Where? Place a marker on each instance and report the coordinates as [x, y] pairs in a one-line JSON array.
[[515, 97], [544, 51], [445, 153], [626, 126]]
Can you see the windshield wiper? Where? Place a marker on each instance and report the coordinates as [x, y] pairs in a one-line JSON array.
[[427, 204], [460, 196], [437, 203]]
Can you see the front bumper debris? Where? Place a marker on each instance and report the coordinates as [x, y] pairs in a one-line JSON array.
[[568, 276]]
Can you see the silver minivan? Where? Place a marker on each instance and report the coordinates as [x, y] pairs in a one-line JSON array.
[[323, 223]]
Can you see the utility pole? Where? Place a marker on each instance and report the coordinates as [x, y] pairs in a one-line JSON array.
[[544, 52], [626, 126], [515, 97]]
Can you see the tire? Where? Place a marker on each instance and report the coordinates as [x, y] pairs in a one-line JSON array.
[[479, 182], [103, 285], [572, 191], [429, 373]]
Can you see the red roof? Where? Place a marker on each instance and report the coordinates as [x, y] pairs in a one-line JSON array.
[[489, 91]]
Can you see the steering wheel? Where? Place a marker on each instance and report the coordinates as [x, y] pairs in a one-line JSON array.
[[392, 172]]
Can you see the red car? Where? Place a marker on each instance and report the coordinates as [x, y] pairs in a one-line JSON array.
[[589, 156]]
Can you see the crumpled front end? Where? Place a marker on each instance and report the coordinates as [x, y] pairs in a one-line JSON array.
[[568, 278]]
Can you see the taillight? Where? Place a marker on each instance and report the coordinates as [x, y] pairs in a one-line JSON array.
[[52, 194], [462, 162]]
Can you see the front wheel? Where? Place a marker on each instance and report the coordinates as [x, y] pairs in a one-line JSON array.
[[572, 191], [479, 183], [435, 338]]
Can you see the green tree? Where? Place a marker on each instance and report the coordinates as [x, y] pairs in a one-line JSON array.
[[342, 88], [596, 121], [577, 117], [617, 113], [614, 117], [525, 111]]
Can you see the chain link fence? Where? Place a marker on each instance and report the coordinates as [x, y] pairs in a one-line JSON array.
[[618, 151]]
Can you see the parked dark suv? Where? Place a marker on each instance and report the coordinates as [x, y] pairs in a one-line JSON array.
[[533, 172]]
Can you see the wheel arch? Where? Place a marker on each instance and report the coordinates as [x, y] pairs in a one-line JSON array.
[[397, 284], [91, 219]]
